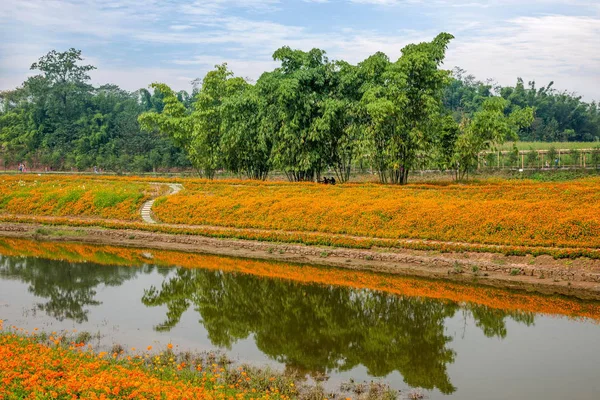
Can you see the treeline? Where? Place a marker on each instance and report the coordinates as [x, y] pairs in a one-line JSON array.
[[560, 116], [58, 120], [311, 114], [306, 118]]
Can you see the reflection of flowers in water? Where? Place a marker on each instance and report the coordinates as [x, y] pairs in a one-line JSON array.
[[486, 296]]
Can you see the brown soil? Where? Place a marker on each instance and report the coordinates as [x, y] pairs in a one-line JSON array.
[[579, 278]]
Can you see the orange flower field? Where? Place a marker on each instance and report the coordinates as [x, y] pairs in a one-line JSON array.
[[72, 196], [508, 217], [493, 212], [399, 285], [33, 368]]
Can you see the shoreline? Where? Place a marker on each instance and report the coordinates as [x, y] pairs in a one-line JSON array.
[[578, 278]]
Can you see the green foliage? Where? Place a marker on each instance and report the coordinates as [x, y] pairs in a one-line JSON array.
[[308, 117], [58, 120], [488, 128], [404, 109], [559, 116], [596, 157], [107, 199], [312, 114], [531, 158]]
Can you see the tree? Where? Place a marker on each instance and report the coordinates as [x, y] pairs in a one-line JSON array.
[[294, 94], [446, 142], [405, 109], [57, 119], [487, 129], [174, 120], [246, 147], [338, 120], [207, 114], [199, 130]]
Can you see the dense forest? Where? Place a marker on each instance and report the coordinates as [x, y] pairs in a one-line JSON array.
[[559, 116], [307, 117], [58, 120]]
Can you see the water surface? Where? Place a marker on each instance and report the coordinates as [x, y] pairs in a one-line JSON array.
[[452, 349]]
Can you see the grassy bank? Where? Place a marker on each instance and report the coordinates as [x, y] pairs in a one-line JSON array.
[[549, 145], [73, 196], [512, 217]]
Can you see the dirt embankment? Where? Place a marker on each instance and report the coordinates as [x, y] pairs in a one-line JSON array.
[[580, 278]]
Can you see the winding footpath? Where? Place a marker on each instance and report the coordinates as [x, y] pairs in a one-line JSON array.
[[147, 207]]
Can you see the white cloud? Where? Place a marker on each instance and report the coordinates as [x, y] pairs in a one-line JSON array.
[[136, 78], [184, 40], [558, 48], [180, 27]]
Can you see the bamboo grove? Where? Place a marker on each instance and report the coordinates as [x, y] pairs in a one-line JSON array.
[[311, 115]]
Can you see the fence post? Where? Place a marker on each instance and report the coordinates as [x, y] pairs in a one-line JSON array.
[[522, 160]]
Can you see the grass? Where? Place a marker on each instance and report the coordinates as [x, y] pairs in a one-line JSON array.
[[548, 145]]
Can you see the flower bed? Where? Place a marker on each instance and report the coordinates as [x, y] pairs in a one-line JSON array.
[[35, 365], [516, 213], [72, 196]]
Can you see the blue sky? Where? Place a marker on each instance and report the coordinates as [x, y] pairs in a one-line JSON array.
[[134, 43]]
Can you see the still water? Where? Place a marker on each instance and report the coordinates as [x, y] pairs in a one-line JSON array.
[[451, 349]]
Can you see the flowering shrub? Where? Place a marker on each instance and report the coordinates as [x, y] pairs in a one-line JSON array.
[[72, 196], [396, 284], [513, 213]]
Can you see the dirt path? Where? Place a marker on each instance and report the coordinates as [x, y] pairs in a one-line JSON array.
[[543, 274], [147, 207]]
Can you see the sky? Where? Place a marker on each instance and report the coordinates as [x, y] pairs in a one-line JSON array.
[[134, 43]]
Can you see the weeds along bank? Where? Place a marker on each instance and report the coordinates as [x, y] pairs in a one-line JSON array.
[[498, 299], [73, 196], [565, 214]]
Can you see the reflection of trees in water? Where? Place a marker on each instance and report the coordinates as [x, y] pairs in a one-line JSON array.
[[69, 287], [310, 328], [493, 321], [316, 329]]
